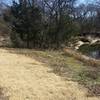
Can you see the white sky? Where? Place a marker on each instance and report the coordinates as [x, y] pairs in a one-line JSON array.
[[79, 1]]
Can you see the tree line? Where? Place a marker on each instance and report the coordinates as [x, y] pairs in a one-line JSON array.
[[50, 23]]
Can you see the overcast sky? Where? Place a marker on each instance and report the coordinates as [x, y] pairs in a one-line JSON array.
[[79, 1], [86, 1]]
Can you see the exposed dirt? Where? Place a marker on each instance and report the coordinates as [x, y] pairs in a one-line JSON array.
[[27, 79]]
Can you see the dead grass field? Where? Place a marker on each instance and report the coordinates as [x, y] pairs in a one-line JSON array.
[[41, 75]]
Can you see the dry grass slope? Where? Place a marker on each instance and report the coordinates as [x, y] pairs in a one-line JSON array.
[[36, 75]]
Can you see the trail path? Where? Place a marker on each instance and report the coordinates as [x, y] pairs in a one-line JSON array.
[[27, 79]]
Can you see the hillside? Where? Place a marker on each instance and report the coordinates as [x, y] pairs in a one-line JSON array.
[[43, 75]]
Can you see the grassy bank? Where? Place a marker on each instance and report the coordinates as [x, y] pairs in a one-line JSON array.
[[85, 59], [67, 66]]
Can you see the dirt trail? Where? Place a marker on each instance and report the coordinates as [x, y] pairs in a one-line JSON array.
[[27, 79]]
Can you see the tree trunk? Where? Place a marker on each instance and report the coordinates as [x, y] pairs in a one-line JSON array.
[[28, 41]]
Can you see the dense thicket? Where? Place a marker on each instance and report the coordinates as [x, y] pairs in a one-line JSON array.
[[42, 23], [26, 23], [50, 23]]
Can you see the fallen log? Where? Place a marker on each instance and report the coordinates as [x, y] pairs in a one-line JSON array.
[[85, 59]]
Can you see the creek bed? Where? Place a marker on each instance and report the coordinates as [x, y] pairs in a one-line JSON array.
[[91, 50], [95, 54]]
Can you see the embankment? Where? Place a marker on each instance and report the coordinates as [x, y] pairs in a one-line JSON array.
[[87, 60]]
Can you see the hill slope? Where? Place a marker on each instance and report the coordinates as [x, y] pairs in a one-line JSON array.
[[25, 78]]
